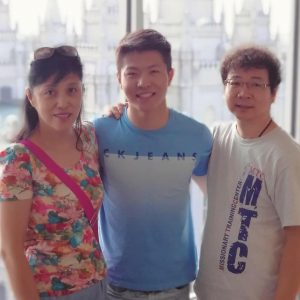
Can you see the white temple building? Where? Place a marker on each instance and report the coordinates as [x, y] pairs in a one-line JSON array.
[[197, 38], [12, 59]]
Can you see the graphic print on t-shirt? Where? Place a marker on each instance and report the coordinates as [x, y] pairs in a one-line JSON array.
[[243, 209]]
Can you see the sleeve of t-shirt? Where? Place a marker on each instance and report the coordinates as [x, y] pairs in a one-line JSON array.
[[287, 194], [15, 174], [204, 153]]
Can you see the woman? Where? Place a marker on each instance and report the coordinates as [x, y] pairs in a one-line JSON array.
[[47, 243]]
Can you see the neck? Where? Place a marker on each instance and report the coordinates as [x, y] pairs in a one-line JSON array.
[[148, 120], [51, 139], [254, 129]]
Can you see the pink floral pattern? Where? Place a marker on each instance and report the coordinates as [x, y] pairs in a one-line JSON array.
[[60, 246]]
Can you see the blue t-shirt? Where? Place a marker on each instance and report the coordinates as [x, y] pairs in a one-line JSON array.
[[146, 228]]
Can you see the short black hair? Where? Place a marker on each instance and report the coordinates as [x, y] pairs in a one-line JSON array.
[[144, 40]]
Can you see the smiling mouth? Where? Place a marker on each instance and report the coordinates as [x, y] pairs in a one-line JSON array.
[[243, 106], [62, 115], [145, 95]]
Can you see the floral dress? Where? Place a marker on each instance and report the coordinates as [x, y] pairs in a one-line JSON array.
[[60, 245]]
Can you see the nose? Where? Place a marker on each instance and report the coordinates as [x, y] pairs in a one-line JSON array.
[[62, 101], [244, 89], [143, 81]]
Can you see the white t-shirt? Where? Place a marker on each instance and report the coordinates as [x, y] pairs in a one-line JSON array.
[[253, 192]]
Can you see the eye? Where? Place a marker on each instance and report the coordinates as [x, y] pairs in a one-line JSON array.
[[72, 90], [235, 83], [154, 71], [130, 74], [256, 84], [49, 92]]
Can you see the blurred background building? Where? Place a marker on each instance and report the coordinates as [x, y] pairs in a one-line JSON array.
[[198, 36]]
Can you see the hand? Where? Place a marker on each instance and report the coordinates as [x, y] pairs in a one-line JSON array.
[[117, 110]]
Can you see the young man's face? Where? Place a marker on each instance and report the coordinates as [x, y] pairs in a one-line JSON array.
[[144, 78], [248, 94]]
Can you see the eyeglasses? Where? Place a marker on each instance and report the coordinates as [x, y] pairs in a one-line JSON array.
[[46, 52], [254, 86]]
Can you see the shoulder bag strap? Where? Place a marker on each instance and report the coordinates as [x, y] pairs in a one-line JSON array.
[[90, 213]]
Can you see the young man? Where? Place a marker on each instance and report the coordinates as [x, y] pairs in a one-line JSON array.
[[251, 245], [149, 157]]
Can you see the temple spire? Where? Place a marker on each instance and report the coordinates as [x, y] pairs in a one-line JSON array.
[[52, 12]]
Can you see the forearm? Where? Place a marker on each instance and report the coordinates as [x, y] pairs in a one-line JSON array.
[[12, 237], [289, 271], [20, 277]]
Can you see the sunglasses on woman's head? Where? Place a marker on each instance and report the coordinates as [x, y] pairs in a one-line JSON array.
[[46, 52]]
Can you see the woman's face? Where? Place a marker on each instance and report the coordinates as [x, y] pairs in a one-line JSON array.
[[57, 104]]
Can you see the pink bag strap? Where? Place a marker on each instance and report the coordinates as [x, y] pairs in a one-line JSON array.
[[90, 213]]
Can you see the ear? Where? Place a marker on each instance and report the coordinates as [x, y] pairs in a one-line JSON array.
[[170, 75], [119, 78], [274, 93], [28, 94]]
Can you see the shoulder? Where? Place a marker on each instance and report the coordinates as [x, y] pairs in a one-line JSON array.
[[285, 144], [15, 173], [88, 136], [109, 127], [281, 134], [185, 118], [103, 122], [15, 157], [187, 123], [14, 153], [222, 128], [87, 128]]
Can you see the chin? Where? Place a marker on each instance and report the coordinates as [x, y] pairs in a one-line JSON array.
[[63, 128]]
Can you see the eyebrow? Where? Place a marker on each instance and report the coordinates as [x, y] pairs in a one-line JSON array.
[[148, 67], [257, 77], [252, 77], [51, 85], [74, 83], [48, 86], [131, 68]]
